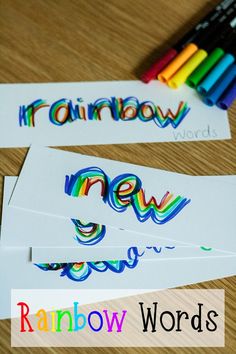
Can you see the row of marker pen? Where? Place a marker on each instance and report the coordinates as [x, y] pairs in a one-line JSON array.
[[204, 58]]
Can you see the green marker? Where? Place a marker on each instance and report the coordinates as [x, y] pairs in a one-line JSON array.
[[219, 43], [201, 71]]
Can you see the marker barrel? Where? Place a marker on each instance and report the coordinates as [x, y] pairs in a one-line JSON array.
[[228, 97], [159, 65], [182, 74], [220, 86], [205, 86], [220, 13], [177, 62], [202, 70]]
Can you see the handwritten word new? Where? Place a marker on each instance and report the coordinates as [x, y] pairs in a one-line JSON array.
[[125, 191]]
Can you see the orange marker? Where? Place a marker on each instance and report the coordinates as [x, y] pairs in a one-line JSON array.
[[176, 63]]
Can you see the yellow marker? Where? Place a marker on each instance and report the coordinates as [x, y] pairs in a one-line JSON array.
[[183, 73], [177, 62]]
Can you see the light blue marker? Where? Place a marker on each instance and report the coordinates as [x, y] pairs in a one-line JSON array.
[[220, 68], [212, 97]]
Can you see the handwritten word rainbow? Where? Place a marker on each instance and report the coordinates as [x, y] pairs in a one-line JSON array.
[[65, 111], [125, 191], [88, 233]]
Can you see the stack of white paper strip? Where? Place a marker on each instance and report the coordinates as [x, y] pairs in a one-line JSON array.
[[83, 222], [160, 229]]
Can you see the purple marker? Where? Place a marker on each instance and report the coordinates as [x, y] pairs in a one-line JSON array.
[[228, 97]]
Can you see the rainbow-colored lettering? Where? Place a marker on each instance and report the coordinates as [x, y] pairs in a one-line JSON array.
[[88, 233], [27, 113], [125, 191], [81, 271], [126, 109]]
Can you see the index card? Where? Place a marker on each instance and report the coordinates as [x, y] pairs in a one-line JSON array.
[[114, 112], [163, 204], [54, 241], [57, 239], [153, 251], [37, 230]]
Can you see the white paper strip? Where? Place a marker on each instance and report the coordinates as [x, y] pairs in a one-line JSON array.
[[193, 210], [105, 113]]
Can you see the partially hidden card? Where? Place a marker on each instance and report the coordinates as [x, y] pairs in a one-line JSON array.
[[115, 112], [169, 206], [133, 274]]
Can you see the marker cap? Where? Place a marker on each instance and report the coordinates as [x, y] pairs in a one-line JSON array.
[[159, 65], [220, 86], [205, 86], [177, 62], [201, 71], [182, 74], [228, 97]]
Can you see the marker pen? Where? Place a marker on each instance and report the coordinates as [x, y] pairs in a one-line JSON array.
[[228, 97], [218, 70], [213, 57], [221, 85], [205, 44], [206, 36], [189, 37]]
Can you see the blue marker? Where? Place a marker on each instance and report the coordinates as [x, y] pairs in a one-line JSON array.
[[221, 85], [220, 68]]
